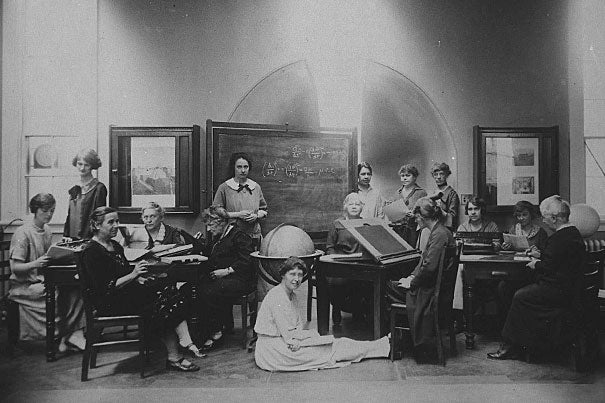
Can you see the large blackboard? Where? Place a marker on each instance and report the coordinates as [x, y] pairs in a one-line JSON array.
[[304, 174]]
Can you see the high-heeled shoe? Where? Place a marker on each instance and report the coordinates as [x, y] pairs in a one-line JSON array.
[[180, 365], [213, 342], [194, 350]]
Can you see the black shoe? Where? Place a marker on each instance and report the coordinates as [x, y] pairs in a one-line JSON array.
[[505, 352], [180, 366]]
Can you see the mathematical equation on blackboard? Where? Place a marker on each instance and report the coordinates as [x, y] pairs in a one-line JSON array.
[[317, 153], [294, 170]]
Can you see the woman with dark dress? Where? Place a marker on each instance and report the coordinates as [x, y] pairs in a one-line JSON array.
[[418, 289], [450, 201], [119, 289], [85, 197], [155, 232], [231, 273]]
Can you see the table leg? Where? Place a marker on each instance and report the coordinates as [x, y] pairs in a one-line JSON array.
[[323, 301], [377, 305], [468, 314], [50, 322]]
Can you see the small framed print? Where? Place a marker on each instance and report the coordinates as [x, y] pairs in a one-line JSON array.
[[514, 164]]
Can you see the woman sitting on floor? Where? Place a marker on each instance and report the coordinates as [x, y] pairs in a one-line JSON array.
[[28, 254], [119, 289], [155, 232], [417, 290], [280, 332]]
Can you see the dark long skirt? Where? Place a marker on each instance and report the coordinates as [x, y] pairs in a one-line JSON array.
[[534, 316], [419, 304]]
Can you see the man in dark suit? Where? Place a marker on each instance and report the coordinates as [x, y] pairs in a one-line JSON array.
[[534, 307]]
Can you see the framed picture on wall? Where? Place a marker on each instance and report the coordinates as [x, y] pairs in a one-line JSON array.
[[159, 164], [514, 164]]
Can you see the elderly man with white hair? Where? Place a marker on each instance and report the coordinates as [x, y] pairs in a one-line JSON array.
[[534, 307]]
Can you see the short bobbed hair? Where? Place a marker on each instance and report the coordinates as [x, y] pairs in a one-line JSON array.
[[153, 205], [233, 160], [524, 205], [428, 209], [477, 202], [44, 201], [98, 216], [364, 164], [556, 206], [409, 169], [441, 166], [88, 155], [292, 263], [350, 199]]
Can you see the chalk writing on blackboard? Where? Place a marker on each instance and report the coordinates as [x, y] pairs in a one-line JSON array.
[[294, 170], [317, 153]]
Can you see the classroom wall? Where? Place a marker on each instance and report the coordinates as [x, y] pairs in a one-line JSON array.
[[489, 63]]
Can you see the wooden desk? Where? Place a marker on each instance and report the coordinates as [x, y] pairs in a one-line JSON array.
[[486, 267], [57, 276], [375, 273]]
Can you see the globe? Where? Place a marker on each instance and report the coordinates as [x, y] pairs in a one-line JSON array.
[[585, 219], [283, 241]]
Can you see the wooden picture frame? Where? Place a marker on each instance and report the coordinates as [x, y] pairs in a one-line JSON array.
[[159, 164], [513, 164]]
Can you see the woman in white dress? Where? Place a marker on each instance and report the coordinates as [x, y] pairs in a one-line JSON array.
[[283, 345]]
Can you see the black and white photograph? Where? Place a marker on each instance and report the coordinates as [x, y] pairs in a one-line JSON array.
[[302, 200]]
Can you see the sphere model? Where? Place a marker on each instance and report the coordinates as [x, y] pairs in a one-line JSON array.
[[285, 241], [585, 219], [280, 243]]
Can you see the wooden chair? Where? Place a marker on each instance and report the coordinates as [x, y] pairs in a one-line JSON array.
[[95, 325], [249, 308], [442, 311], [583, 316], [10, 309]]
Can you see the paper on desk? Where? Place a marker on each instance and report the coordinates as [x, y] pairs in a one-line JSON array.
[[522, 258], [518, 242]]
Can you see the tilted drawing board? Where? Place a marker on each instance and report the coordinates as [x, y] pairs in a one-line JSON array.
[[384, 244]]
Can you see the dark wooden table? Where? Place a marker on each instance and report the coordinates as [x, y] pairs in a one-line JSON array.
[[487, 267], [369, 271], [67, 275]]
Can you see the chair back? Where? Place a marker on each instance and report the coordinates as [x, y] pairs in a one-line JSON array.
[[586, 303], [5, 270], [446, 278]]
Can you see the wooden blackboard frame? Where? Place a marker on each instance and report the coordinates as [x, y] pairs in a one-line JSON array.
[[214, 167]]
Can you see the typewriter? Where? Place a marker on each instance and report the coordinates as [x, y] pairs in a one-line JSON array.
[[478, 243], [63, 252]]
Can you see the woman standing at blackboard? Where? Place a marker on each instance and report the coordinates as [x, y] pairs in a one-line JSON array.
[[241, 199]]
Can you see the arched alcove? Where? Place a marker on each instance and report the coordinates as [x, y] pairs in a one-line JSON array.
[[401, 125], [398, 122]]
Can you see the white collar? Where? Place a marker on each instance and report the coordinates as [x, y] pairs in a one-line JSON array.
[[233, 184]]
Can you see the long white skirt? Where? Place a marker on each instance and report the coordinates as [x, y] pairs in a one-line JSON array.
[[273, 354]]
